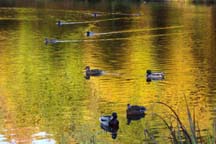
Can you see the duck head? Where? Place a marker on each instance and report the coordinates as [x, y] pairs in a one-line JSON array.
[[149, 72], [114, 115], [46, 41], [128, 106], [89, 33], [87, 68], [87, 71]]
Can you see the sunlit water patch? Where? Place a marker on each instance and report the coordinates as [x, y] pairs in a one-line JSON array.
[[45, 98]]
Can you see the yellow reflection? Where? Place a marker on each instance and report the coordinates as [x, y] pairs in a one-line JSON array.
[[43, 89]]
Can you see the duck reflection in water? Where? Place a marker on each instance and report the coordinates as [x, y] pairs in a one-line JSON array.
[[135, 112], [92, 72], [110, 124]]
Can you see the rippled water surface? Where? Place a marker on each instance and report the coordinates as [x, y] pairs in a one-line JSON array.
[[44, 97]]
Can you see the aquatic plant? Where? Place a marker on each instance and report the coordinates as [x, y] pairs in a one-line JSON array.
[[179, 133]]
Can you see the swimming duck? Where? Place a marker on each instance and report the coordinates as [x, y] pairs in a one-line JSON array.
[[89, 33], [109, 120], [50, 41], [110, 124], [93, 72], [154, 75], [95, 14], [59, 23], [135, 110]]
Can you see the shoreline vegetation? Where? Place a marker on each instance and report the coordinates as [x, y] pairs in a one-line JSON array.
[[180, 132]]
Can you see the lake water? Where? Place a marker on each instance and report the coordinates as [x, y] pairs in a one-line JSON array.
[[44, 97]]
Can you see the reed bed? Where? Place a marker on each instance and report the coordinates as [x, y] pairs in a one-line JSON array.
[[179, 133]]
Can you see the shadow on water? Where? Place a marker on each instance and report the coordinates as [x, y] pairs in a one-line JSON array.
[[8, 20], [204, 2], [98, 5], [115, 52], [161, 44], [87, 5]]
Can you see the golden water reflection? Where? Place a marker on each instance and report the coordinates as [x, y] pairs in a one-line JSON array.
[[43, 90]]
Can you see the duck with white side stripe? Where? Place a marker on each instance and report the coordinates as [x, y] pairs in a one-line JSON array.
[[110, 123], [154, 75]]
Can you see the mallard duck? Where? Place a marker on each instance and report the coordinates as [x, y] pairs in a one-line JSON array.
[[110, 124], [59, 23], [50, 41], [93, 72], [95, 14], [89, 33], [154, 75], [109, 120], [135, 110]]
